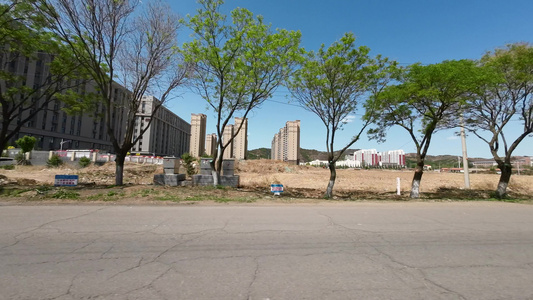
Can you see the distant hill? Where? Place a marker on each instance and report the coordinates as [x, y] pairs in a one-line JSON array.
[[307, 155], [259, 153]]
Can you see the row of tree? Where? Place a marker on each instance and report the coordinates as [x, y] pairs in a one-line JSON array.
[[237, 64]]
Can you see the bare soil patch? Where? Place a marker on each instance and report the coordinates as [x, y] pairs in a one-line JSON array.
[[34, 184]]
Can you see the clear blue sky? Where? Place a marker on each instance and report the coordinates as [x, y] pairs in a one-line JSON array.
[[426, 31]]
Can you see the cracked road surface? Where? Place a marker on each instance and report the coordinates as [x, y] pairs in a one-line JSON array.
[[335, 251]]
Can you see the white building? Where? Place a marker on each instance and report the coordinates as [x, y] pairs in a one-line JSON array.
[[367, 157], [392, 158]]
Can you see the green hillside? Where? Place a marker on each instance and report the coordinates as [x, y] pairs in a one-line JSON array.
[[307, 155]]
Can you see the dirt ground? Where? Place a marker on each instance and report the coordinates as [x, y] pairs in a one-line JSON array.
[[32, 184]]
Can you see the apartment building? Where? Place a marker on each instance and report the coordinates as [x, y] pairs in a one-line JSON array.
[[52, 126], [211, 144], [286, 143], [228, 133], [168, 134], [373, 158], [197, 145], [55, 129], [240, 142]]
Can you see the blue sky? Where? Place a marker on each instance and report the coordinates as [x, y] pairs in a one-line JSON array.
[[426, 31]]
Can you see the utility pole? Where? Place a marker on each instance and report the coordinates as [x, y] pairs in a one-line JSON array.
[[465, 156], [61, 144]]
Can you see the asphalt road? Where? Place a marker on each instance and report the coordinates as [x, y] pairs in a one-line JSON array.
[[342, 251]]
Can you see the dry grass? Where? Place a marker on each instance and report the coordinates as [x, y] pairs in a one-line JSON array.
[[256, 176], [262, 173]]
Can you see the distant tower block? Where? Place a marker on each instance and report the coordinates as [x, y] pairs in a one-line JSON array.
[[240, 142], [228, 133], [198, 124], [210, 144], [286, 143]]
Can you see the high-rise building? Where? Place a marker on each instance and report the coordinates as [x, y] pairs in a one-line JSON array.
[[168, 134], [210, 144], [274, 152], [392, 158], [286, 143], [197, 145], [371, 158], [293, 141], [228, 133], [367, 157], [240, 142]]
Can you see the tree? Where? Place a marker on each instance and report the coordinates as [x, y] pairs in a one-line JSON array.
[[426, 100], [505, 96], [237, 66], [331, 83], [26, 144], [25, 41], [128, 42]]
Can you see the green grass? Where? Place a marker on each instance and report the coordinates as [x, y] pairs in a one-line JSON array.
[[109, 196], [65, 194]]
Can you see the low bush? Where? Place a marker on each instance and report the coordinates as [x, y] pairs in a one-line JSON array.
[[84, 162], [54, 161]]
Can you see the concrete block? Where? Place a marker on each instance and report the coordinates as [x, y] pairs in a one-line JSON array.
[[228, 167], [168, 179], [225, 180], [4, 161], [205, 166], [171, 165]]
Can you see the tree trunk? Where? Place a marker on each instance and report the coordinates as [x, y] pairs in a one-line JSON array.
[[119, 169], [217, 167], [3, 135], [501, 190], [417, 177], [332, 177]]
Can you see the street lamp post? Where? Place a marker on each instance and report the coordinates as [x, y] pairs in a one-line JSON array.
[[61, 144]]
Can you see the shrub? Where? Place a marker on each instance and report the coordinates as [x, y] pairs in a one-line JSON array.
[[26, 143], [65, 194], [84, 162], [8, 167], [54, 161], [188, 162], [21, 159]]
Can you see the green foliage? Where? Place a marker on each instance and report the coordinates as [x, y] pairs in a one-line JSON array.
[[188, 162], [20, 158], [84, 162], [239, 64], [425, 100], [26, 143], [332, 82], [65, 194], [24, 33], [54, 161], [8, 167], [504, 95]]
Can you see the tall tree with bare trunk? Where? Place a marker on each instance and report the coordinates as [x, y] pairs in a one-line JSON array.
[[126, 42], [332, 82], [425, 100], [505, 96], [237, 65]]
